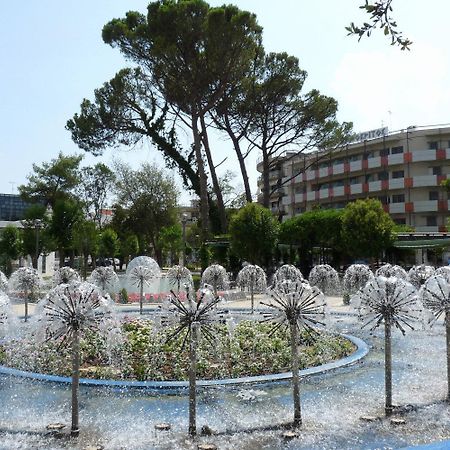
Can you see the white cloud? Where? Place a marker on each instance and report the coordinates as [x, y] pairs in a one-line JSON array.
[[414, 86]]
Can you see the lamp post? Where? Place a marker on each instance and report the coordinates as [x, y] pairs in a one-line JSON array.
[[38, 224], [184, 218]]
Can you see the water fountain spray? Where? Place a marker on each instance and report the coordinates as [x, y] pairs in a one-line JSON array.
[[253, 278], [69, 311], [394, 302], [216, 276], [140, 276], [435, 295], [192, 318], [296, 306], [65, 275], [178, 276], [27, 281], [105, 278]]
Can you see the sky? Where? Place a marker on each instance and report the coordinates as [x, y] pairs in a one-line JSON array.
[[52, 56]]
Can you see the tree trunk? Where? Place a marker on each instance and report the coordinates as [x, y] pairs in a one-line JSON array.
[[75, 383], [447, 329], [388, 367], [295, 375], [85, 264], [237, 149], [204, 207], [252, 296], [215, 180], [266, 181], [192, 378]]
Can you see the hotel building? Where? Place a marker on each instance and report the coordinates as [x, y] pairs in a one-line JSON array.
[[403, 169]]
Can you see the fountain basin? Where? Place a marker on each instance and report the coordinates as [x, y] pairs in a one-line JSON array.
[[361, 351]]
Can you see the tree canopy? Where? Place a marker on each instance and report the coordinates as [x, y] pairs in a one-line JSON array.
[[367, 229], [254, 233]]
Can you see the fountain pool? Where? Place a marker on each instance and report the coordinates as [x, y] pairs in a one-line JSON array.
[[333, 404]]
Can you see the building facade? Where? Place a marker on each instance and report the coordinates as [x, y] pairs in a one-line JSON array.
[[402, 169]]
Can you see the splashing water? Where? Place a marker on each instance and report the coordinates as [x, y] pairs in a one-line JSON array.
[[75, 307], [389, 270], [216, 276], [105, 278], [356, 276], [252, 277], [325, 278], [180, 276], [3, 282], [443, 272], [287, 272], [391, 300], [65, 275], [144, 261], [417, 275]]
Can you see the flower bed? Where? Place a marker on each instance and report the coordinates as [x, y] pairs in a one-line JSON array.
[[140, 352]]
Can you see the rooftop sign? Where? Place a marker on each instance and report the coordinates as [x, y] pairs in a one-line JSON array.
[[372, 134]]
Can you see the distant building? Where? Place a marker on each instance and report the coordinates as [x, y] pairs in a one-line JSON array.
[[12, 212], [12, 207], [402, 169]]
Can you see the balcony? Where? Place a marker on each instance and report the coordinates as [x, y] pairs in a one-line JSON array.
[[426, 206], [425, 180]]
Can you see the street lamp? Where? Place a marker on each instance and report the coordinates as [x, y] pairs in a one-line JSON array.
[[38, 224], [184, 218]]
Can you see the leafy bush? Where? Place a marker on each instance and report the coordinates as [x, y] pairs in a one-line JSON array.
[[142, 352]]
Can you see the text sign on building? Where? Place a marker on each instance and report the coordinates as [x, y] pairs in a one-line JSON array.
[[372, 134]]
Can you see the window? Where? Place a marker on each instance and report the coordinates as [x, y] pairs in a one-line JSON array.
[[383, 175], [433, 145], [354, 158], [355, 180], [398, 174], [370, 177], [338, 161], [400, 221], [437, 170], [431, 221], [398, 198], [397, 150], [338, 183], [384, 152], [433, 195], [384, 199]]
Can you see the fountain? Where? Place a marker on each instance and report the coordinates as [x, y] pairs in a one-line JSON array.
[[68, 311], [391, 301], [120, 417], [355, 278], [179, 276], [253, 278], [443, 271], [24, 281], [141, 275], [216, 276], [389, 270], [65, 275], [325, 278], [417, 275], [287, 272], [299, 307], [192, 319], [435, 295], [105, 278]]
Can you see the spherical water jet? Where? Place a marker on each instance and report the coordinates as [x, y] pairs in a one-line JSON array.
[[391, 301], [389, 270], [25, 282], [287, 272], [296, 306], [69, 311], [216, 276], [179, 276], [105, 278], [65, 275], [325, 278], [253, 278], [417, 275]]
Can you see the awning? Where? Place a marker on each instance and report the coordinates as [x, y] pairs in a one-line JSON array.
[[423, 243]]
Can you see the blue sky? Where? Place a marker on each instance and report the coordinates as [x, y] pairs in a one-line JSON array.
[[52, 56]]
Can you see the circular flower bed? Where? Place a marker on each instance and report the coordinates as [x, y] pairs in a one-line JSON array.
[[140, 351]]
